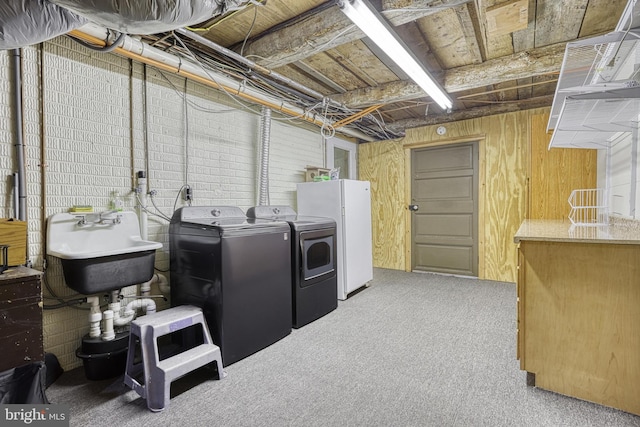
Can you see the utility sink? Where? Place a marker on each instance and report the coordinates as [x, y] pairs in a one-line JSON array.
[[100, 252]]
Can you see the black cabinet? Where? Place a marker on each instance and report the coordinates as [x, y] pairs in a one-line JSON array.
[[20, 317]]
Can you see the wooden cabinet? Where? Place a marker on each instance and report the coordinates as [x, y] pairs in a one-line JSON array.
[[20, 317], [579, 319]]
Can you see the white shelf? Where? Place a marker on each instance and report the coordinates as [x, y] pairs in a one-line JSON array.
[[598, 92], [593, 120]]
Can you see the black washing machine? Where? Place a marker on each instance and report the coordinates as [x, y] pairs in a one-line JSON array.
[[238, 270], [313, 262]]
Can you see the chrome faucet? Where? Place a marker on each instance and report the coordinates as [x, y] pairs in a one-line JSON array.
[[100, 218], [116, 220]]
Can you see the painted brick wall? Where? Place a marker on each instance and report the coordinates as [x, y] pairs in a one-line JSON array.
[[85, 137]]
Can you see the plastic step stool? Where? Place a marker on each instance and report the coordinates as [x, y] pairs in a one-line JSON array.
[[158, 374]]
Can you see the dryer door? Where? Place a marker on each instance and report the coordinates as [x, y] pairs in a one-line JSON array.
[[318, 256]]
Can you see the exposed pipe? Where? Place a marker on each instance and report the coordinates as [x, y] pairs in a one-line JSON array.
[[163, 284], [264, 157], [141, 189], [121, 319], [139, 51], [148, 304], [634, 172], [95, 316], [145, 288], [160, 280], [16, 64], [132, 119], [145, 119], [16, 197], [108, 334], [43, 157]]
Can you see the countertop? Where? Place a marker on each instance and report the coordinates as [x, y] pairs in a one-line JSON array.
[[618, 232]]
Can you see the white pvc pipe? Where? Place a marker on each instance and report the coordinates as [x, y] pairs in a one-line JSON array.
[[95, 316], [145, 288], [163, 284], [108, 334], [142, 193], [160, 280], [147, 303], [124, 320], [118, 319]]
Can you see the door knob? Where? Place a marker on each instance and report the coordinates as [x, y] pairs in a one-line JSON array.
[[413, 207]]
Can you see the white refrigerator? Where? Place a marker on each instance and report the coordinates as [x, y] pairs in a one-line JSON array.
[[348, 202]]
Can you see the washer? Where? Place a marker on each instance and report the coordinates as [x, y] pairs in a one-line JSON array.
[[238, 270], [313, 262]]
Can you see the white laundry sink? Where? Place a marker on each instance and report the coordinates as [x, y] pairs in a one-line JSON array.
[[100, 252]]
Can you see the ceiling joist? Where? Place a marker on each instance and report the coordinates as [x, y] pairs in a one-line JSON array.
[[473, 113], [520, 65], [331, 28]]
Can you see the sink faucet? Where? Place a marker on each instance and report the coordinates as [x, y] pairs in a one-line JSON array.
[[115, 220], [100, 218]]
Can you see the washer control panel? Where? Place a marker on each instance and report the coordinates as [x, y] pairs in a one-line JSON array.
[[203, 212]]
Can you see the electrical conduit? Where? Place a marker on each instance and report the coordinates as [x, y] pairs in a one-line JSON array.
[[21, 202]]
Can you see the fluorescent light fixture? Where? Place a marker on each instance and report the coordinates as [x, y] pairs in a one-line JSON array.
[[373, 25]]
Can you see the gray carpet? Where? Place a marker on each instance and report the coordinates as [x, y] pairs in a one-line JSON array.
[[411, 350]]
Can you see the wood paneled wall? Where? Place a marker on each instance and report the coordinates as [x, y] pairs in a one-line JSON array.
[[555, 173], [505, 165], [382, 163]]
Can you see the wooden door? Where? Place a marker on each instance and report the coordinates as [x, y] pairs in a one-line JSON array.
[[444, 189]]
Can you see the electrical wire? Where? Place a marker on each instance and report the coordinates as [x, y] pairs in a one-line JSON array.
[[162, 214], [106, 48], [248, 78], [69, 303], [224, 90], [193, 104], [234, 98], [186, 133], [175, 203], [244, 42], [144, 208]]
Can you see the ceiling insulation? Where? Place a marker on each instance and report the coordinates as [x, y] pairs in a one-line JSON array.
[[27, 22], [149, 16]]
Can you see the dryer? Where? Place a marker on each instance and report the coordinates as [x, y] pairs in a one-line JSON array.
[[238, 270], [313, 262]]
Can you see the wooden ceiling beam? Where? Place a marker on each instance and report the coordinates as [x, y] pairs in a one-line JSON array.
[[330, 28], [472, 113], [319, 76], [517, 66], [528, 63]]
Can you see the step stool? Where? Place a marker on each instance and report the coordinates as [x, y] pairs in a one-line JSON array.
[[158, 374]]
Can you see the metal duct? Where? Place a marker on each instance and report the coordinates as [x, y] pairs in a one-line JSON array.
[[28, 22], [149, 16], [264, 157]]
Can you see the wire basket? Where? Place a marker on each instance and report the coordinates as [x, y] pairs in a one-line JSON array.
[[588, 207]]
